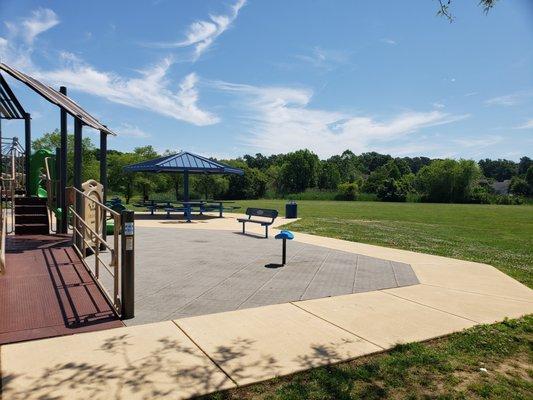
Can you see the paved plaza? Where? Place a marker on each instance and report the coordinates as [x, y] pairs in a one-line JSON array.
[[183, 273]]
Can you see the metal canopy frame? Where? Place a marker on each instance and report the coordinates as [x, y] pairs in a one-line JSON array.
[[186, 163], [10, 107], [183, 161]]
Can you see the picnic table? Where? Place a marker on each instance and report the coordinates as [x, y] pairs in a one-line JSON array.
[[153, 205], [187, 207]]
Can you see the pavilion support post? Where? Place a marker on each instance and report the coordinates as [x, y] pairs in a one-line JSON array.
[[103, 175], [186, 186], [62, 172], [78, 165], [27, 151]]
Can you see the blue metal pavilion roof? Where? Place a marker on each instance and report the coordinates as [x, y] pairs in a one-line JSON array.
[[183, 162]]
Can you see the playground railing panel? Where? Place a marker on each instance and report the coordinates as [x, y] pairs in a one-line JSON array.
[[95, 248], [2, 242], [51, 198]]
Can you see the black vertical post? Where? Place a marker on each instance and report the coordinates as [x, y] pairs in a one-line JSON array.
[[127, 268], [103, 175], [62, 171], [78, 164], [284, 252], [55, 187], [27, 151], [186, 186]]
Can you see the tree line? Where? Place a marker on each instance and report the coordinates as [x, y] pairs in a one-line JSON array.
[[302, 174]]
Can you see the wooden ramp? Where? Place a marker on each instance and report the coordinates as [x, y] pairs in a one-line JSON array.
[[46, 291]]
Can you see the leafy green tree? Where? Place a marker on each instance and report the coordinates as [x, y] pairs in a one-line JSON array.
[[299, 171], [251, 185], [348, 165], [52, 140], [119, 180], [529, 177], [524, 164], [372, 161], [519, 186], [499, 170], [329, 176], [444, 9], [394, 169], [211, 186], [448, 181], [415, 163]]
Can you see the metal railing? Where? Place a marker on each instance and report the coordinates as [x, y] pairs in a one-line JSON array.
[[52, 189], [2, 243], [88, 242], [12, 179]]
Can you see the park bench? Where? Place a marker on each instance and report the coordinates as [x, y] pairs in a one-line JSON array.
[[262, 213]]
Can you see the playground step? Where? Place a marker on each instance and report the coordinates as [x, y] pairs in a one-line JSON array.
[[30, 209], [30, 201], [28, 229], [31, 218]]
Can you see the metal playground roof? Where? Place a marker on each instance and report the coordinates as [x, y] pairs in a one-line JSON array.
[[183, 162], [10, 107], [54, 97]]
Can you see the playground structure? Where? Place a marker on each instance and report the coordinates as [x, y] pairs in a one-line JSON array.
[[39, 208]]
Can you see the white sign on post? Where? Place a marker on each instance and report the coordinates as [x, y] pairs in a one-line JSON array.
[[128, 228]]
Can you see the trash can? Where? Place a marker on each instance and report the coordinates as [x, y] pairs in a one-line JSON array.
[[291, 210]]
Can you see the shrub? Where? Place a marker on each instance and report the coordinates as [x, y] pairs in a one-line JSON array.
[[347, 191], [448, 181], [391, 190], [519, 186]]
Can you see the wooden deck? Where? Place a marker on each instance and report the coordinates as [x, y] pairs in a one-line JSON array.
[[46, 291]]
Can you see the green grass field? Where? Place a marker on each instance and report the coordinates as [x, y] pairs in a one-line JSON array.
[[448, 368]]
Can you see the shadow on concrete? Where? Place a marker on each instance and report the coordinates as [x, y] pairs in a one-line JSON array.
[[157, 374], [274, 265]]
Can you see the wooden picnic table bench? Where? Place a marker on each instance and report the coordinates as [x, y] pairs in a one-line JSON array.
[[262, 213]]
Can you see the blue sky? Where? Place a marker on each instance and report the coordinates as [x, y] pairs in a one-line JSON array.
[[225, 78]]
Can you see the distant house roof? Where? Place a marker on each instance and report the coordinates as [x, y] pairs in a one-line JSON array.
[[501, 187], [181, 162]]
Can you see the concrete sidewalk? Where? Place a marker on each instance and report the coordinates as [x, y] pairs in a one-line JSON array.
[[199, 355]]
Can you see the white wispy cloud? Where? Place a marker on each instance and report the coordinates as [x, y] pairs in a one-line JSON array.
[[527, 125], [280, 120], [130, 130], [390, 41], [40, 20], [151, 90], [511, 99], [322, 58], [478, 142], [201, 34]]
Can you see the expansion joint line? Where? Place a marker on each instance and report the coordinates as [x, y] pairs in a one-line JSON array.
[[337, 326], [205, 353], [479, 293], [433, 308], [315, 274], [271, 278]]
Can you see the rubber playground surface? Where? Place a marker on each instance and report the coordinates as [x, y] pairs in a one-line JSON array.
[[333, 301]]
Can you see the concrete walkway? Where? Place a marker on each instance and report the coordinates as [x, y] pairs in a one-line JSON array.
[[202, 354]]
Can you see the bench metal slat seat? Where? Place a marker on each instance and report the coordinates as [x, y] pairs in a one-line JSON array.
[[259, 212]]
